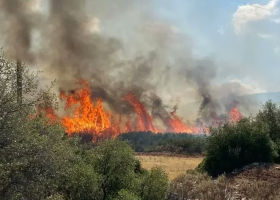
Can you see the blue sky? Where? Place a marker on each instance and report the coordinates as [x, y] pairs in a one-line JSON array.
[[243, 36], [211, 26]]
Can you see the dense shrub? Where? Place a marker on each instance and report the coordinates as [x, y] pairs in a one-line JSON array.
[[270, 114], [114, 160], [167, 142], [126, 195], [155, 185], [191, 145], [235, 145]]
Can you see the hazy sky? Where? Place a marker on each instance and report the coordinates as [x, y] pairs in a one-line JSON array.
[[241, 35], [234, 32], [180, 50]]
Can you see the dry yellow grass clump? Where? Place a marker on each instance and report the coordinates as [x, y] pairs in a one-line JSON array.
[[173, 165]]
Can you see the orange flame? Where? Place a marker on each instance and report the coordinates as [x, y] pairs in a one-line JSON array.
[[87, 116], [144, 119], [177, 126], [235, 115]]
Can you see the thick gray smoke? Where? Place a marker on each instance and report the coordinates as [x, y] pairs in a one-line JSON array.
[[17, 24], [159, 64], [80, 54]]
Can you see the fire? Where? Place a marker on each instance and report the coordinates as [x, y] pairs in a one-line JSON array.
[[46, 111], [177, 126], [235, 115], [87, 116], [144, 119]]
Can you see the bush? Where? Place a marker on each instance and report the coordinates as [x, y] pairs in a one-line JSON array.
[[114, 160], [80, 181], [154, 185], [233, 146], [171, 142], [270, 114], [126, 195], [32, 164]]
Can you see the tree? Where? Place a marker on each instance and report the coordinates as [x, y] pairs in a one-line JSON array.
[[154, 185], [114, 160], [233, 146], [11, 112], [270, 114]]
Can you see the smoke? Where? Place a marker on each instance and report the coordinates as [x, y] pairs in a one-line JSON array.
[[153, 60], [17, 26]]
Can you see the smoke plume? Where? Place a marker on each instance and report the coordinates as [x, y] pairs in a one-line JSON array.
[[154, 61], [17, 26]]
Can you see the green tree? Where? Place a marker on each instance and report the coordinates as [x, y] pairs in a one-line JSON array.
[[154, 185], [235, 145], [114, 160], [126, 195], [270, 114]]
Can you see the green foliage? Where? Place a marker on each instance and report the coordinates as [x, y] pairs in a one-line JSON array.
[[168, 142], [55, 197], [80, 182], [126, 195], [114, 160], [235, 145], [190, 145], [154, 185], [270, 114], [32, 152], [32, 162]]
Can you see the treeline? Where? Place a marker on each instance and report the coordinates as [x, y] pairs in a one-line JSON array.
[[182, 143]]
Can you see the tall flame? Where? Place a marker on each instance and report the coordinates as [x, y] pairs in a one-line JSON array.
[[177, 126], [235, 115], [87, 116], [144, 119]]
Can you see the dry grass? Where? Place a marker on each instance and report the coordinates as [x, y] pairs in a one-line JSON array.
[[173, 165]]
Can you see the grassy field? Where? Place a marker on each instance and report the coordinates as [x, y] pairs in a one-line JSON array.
[[173, 165]]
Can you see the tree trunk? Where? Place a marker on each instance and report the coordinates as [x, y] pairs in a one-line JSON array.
[[19, 82]]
